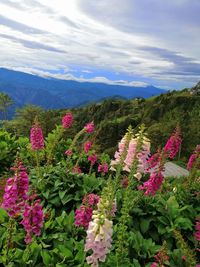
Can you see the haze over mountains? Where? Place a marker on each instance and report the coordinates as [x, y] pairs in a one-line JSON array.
[[51, 93]]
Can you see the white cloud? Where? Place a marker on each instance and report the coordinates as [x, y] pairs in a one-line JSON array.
[[105, 35]]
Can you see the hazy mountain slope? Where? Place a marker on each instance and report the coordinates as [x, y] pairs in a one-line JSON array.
[[55, 93]]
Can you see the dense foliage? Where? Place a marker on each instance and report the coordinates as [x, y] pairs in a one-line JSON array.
[[112, 117], [150, 221]]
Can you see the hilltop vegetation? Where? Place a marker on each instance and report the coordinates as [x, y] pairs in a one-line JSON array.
[[112, 117]]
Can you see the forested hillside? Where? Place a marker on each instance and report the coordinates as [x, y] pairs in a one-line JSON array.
[[112, 117]]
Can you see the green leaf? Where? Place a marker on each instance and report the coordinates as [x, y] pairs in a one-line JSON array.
[[46, 193], [184, 223], [62, 193], [173, 207], [144, 225], [69, 221], [3, 215], [55, 201], [46, 257], [65, 251]]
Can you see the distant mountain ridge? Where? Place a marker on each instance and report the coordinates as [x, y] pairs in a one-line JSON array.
[[51, 93]]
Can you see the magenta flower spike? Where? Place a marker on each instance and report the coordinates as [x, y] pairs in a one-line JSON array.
[[67, 120], [16, 190], [193, 158], [36, 137], [92, 159], [83, 215], [173, 144], [87, 146], [33, 218], [197, 228], [103, 168], [89, 127]]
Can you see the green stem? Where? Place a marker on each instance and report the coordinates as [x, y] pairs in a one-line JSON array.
[[8, 245], [56, 141], [90, 170]]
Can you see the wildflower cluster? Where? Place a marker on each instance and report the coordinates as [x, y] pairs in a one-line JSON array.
[[89, 127], [103, 168], [194, 159], [16, 202], [36, 137], [197, 228], [156, 164], [87, 146], [83, 215], [33, 218], [99, 232], [173, 144], [67, 120], [16, 190]]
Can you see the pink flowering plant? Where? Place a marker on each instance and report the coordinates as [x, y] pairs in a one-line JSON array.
[[81, 209]]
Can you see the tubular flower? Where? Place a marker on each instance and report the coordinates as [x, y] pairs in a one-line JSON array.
[[154, 161], [103, 168], [10, 197], [99, 235], [197, 228], [89, 127], [92, 159], [154, 264], [124, 182], [67, 120], [173, 144], [153, 184], [99, 238], [118, 154], [83, 215], [33, 218], [133, 154], [193, 159], [76, 169], [87, 146], [91, 199], [68, 152], [16, 190], [36, 137]]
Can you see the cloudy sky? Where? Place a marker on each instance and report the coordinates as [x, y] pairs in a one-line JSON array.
[[132, 42]]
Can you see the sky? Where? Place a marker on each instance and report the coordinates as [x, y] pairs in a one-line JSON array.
[[130, 42]]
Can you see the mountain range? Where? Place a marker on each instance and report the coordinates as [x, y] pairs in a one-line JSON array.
[[51, 93]]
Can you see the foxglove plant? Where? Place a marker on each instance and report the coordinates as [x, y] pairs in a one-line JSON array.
[[194, 160], [157, 161], [99, 233], [83, 215], [92, 158], [54, 137], [142, 155], [67, 120], [16, 190], [87, 146], [197, 228], [33, 218], [173, 144], [118, 154], [103, 168], [138, 146], [36, 137], [89, 127]]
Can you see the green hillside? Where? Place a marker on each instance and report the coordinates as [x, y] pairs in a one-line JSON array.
[[160, 115]]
